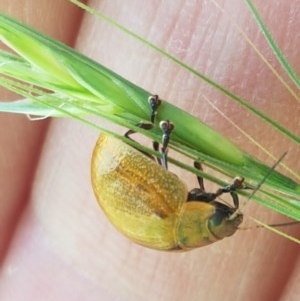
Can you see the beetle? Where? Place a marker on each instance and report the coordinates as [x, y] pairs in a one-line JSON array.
[[152, 206]]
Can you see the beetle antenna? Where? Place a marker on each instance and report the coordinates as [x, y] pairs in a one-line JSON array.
[[277, 225], [274, 228], [267, 175], [233, 216]]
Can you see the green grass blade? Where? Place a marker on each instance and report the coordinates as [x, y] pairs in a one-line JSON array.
[[87, 88], [201, 76], [281, 58]]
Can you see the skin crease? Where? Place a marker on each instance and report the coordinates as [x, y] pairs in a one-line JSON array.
[[55, 242]]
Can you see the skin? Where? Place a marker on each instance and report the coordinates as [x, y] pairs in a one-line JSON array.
[[55, 242]]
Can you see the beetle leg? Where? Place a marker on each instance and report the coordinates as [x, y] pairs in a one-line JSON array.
[[154, 103], [155, 146], [142, 125], [235, 199], [167, 128], [238, 183], [200, 195], [198, 165]]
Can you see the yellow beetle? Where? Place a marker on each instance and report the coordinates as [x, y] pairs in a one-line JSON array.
[[152, 206]]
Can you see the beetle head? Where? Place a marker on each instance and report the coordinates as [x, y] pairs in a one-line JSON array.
[[221, 224]]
